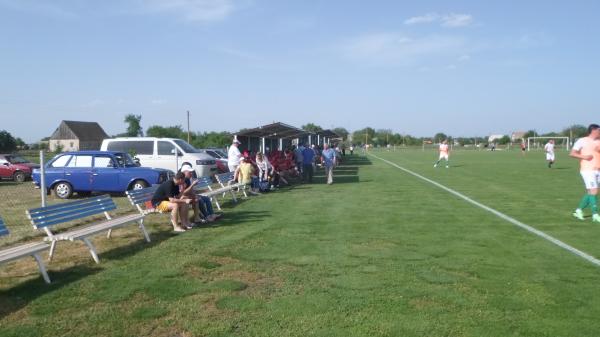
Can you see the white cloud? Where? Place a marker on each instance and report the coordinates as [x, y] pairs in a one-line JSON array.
[[451, 20], [427, 18], [93, 103], [193, 10], [464, 58], [457, 20], [400, 49]]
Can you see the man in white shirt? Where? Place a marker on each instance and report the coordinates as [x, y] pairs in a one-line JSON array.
[[234, 156], [549, 148]]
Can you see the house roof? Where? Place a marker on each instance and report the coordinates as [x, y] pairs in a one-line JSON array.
[[84, 131], [274, 130]]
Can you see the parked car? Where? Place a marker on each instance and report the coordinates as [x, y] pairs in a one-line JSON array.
[[165, 153], [15, 167], [220, 159], [97, 171]]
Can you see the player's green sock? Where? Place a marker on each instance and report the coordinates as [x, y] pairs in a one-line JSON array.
[[592, 200], [585, 201]]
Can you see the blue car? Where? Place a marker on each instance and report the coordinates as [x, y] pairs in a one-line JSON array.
[[96, 171]]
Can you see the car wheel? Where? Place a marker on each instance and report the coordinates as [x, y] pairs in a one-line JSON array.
[[138, 185], [19, 176], [63, 190]]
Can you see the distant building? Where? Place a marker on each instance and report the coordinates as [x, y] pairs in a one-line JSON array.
[[517, 136], [493, 138], [75, 136]]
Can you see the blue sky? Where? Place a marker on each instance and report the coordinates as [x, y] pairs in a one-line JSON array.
[[420, 67]]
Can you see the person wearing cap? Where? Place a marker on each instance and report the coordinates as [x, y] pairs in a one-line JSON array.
[[202, 204], [166, 199], [234, 155]]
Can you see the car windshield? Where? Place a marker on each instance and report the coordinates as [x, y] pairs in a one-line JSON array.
[[16, 160], [186, 147], [124, 160], [221, 153]]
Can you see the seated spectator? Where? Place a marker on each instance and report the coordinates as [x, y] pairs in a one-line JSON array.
[[202, 204], [166, 199], [266, 171], [245, 174]]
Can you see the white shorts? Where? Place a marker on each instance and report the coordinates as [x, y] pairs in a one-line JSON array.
[[444, 156], [590, 179], [550, 156]]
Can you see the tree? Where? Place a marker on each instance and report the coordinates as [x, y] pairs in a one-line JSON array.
[[439, 137], [575, 131], [167, 132], [342, 132], [134, 128], [7, 142], [530, 133], [310, 127], [211, 139], [504, 140], [358, 136]]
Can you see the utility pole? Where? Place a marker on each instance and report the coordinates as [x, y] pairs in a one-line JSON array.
[[188, 124]]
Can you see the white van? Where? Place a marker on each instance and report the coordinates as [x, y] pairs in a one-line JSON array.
[[165, 153]]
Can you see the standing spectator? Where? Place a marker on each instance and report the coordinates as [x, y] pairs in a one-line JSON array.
[[352, 149], [343, 150], [234, 155], [308, 158], [328, 158], [299, 158], [165, 199]]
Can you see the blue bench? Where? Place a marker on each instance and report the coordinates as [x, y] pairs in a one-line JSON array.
[[31, 249], [226, 180], [142, 197], [45, 217]]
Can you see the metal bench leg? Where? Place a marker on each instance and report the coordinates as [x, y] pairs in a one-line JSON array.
[[109, 233], [92, 249], [143, 229], [217, 202], [52, 249], [233, 195], [42, 267]]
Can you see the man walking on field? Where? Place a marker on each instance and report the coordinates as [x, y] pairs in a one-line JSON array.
[[549, 148], [444, 154], [587, 149]]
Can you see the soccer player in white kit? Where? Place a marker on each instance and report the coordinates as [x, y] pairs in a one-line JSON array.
[[444, 154], [549, 148], [587, 150]]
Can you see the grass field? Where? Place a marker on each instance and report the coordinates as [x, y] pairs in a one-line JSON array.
[[378, 253]]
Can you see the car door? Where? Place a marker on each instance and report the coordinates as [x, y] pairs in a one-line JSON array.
[[5, 171], [78, 172], [105, 174], [166, 158]]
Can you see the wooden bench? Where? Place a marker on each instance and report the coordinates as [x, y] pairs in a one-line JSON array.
[[30, 249], [46, 217], [226, 180]]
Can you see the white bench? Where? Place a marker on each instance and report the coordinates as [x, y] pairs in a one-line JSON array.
[[226, 180], [46, 217], [30, 249]]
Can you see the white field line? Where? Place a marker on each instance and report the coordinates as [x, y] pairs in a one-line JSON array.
[[503, 216]]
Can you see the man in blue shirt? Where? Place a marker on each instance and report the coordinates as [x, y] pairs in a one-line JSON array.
[[308, 157], [328, 159]]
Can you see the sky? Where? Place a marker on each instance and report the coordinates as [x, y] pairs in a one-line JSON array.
[[464, 68]]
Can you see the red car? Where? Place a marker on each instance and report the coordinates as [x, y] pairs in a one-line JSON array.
[[15, 168]]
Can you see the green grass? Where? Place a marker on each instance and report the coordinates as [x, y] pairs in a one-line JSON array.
[[378, 253]]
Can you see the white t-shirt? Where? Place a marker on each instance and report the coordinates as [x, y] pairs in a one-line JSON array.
[[549, 148], [233, 156]]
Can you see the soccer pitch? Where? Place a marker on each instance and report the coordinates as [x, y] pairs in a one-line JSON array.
[[378, 253]]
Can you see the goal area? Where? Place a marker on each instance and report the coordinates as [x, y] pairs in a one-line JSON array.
[[539, 142]]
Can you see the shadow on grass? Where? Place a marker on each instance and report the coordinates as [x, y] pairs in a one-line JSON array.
[[337, 180], [236, 218], [16, 298]]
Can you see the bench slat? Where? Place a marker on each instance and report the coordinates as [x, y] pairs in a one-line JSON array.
[[22, 251], [97, 228], [3, 229], [67, 205]]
